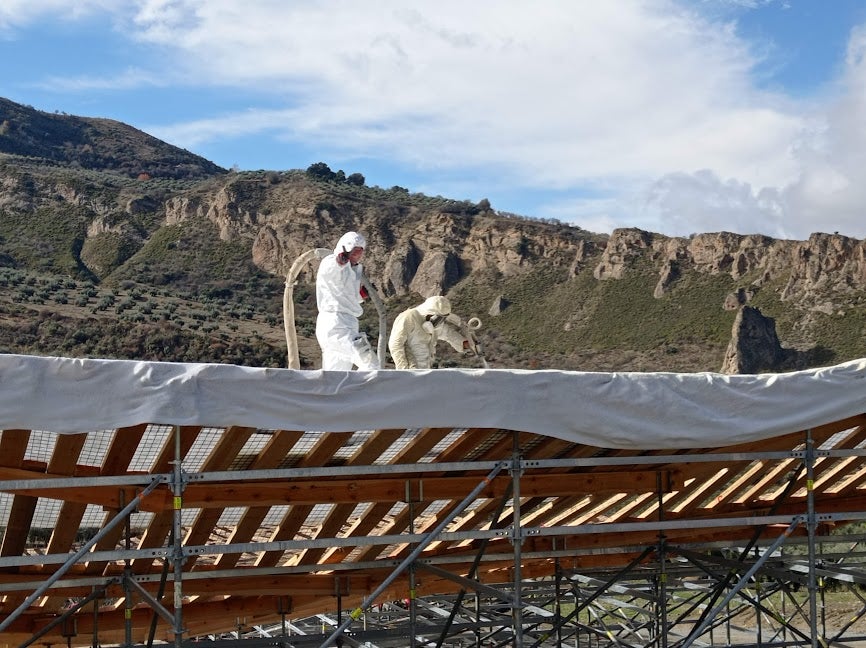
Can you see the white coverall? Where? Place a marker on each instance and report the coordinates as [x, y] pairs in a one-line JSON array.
[[338, 297], [413, 338]]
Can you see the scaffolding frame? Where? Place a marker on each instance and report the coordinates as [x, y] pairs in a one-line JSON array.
[[598, 547]]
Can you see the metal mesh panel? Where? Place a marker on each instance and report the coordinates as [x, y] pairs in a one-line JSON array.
[[231, 516], [97, 444], [251, 450], [201, 449], [353, 518], [140, 520], [351, 447], [40, 446], [152, 442], [5, 507], [45, 515], [275, 515], [318, 514], [482, 448], [398, 446], [837, 439], [450, 438], [94, 516], [396, 510], [188, 516], [300, 450]]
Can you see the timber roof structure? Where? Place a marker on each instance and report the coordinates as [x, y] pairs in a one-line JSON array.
[[130, 515]]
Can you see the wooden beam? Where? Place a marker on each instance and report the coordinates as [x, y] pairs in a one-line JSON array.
[[230, 444], [374, 517], [338, 518], [291, 523], [271, 456], [427, 489], [13, 445]]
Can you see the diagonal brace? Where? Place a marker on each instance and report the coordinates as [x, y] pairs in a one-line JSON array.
[[158, 607], [56, 576], [408, 560], [467, 583], [742, 582]]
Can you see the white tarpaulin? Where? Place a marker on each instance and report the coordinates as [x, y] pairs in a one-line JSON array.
[[613, 410]]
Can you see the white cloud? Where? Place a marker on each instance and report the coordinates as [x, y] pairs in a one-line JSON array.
[[18, 13], [628, 98], [565, 93], [703, 202], [125, 79], [827, 191], [191, 134]]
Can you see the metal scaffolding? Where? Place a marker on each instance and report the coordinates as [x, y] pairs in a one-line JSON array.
[[526, 541]]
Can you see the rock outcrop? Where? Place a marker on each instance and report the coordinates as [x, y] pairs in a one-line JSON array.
[[754, 345], [427, 251], [825, 263]]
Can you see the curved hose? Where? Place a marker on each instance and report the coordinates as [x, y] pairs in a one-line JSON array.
[[293, 356], [294, 360], [473, 325], [383, 320], [459, 333]]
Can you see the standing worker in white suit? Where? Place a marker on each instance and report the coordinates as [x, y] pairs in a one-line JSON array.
[[339, 295]]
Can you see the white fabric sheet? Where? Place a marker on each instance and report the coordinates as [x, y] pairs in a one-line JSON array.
[[612, 410]]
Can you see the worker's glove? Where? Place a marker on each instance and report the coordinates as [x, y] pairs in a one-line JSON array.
[[364, 293], [343, 257]]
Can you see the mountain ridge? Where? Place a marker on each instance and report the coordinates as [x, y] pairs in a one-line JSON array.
[[94, 143], [631, 300]]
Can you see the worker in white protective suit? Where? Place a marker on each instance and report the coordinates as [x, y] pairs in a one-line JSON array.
[[339, 295], [415, 332]]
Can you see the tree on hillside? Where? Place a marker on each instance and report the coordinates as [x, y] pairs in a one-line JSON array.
[[356, 179], [321, 171]]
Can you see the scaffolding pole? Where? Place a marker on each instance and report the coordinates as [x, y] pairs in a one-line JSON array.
[[662, 627], [495, 522], [517, 539], [741, 583], [422, 544], [177, 487], [74, 558], [811, 525]]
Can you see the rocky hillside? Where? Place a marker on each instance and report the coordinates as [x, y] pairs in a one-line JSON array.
[[183, 265]]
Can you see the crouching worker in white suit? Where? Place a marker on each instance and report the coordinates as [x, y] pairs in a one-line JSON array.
[[415, 332], [339, 295]]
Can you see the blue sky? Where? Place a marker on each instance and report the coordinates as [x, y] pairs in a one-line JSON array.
[[673, 116]]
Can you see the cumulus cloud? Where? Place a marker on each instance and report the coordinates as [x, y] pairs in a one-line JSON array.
[[827, 192], [703, 202], [565, 93]]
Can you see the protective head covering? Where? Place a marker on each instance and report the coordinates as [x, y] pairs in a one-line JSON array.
[[435, 310], [350, 240], [436, 305]]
